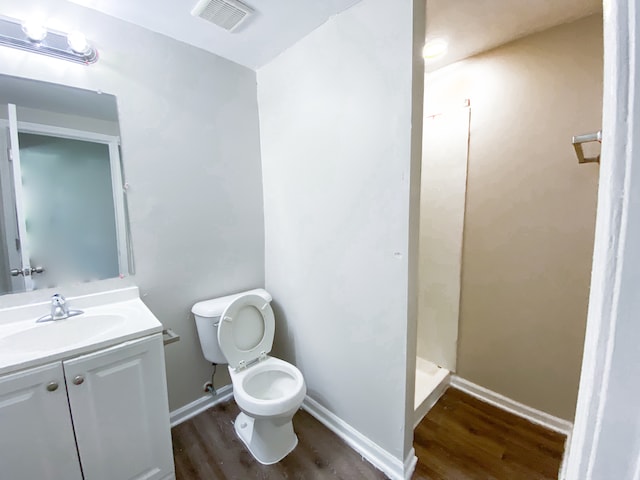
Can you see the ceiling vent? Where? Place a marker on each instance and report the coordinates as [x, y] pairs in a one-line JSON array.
[[228, 14]]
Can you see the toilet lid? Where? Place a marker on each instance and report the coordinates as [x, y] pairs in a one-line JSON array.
[[246, 329]]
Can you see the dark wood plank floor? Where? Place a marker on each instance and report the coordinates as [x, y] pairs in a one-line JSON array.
[[462, 438], [206, 447]]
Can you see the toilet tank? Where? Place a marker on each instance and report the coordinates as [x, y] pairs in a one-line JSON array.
[[207, 314]]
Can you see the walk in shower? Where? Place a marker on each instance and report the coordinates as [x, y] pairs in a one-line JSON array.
[[442, 208]]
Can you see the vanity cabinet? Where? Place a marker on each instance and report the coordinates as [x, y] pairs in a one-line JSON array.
[[115, 400], [36, 434]]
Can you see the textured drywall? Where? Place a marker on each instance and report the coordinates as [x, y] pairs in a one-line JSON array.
[[530, 212], [335, 122], [191, 152]]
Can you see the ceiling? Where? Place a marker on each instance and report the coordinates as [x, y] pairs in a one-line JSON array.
[[474, 26], [470, 26], [274, 27]]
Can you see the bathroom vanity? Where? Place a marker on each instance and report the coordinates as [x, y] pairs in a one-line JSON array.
[[84, 397]]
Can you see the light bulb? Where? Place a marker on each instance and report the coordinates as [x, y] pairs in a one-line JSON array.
[[78, 42], [34, 29], [434, 48]]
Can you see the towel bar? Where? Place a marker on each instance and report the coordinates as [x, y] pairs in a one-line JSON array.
[[169, 336], [578, 140]]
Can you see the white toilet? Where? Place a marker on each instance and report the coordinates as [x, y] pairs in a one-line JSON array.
[[238, 330]]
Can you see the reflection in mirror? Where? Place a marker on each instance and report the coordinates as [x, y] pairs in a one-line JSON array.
[[62, 204]]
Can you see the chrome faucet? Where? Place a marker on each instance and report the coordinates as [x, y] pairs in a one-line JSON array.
[[59, 310]]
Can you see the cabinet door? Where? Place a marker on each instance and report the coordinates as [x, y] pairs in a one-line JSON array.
[[36, 435], [118, 399]]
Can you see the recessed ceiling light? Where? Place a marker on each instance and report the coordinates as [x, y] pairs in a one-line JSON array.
[[34, 29], [434, 48]]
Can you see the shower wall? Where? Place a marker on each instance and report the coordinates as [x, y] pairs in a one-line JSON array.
[[530, 211], [442, 199]]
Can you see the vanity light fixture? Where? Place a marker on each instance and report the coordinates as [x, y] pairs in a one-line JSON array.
[[78, 42], [34, 36], [34, 29]]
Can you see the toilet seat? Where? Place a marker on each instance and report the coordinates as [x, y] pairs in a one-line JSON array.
[[246, 331]]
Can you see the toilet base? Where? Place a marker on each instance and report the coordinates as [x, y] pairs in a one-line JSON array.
[[269, 440]]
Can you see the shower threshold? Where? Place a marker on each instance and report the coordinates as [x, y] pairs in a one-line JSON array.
[[431, 382]]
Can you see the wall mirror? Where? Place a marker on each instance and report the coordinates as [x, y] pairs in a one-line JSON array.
[[63, 212]]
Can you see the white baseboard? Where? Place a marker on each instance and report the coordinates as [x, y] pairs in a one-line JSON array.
[[391, 466], [428, 403], [533, 415], [192, 409], [410, 464]]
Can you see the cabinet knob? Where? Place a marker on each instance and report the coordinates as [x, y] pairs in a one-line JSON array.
[[52, 386], [78, 379]]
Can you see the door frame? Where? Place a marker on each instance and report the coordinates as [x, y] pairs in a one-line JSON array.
[[10, 251], [605, 441], [14, 221], [117, 183]]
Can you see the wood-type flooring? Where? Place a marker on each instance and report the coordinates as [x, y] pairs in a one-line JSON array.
[[461, 438], [206, 447]]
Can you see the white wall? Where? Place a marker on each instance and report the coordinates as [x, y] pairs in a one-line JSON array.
[[190, 142], [335, 120], [442, 201]]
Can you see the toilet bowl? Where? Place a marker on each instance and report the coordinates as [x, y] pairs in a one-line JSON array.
[[239, 330]]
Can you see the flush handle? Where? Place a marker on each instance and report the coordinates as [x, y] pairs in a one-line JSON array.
[[78, 380]]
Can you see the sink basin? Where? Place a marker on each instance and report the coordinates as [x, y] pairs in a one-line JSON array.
[[110, 318], [62, 333]]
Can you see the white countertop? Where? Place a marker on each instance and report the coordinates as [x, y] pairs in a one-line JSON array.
[[109, 318]]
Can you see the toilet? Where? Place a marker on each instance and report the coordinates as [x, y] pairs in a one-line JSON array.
[[239, 330]]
